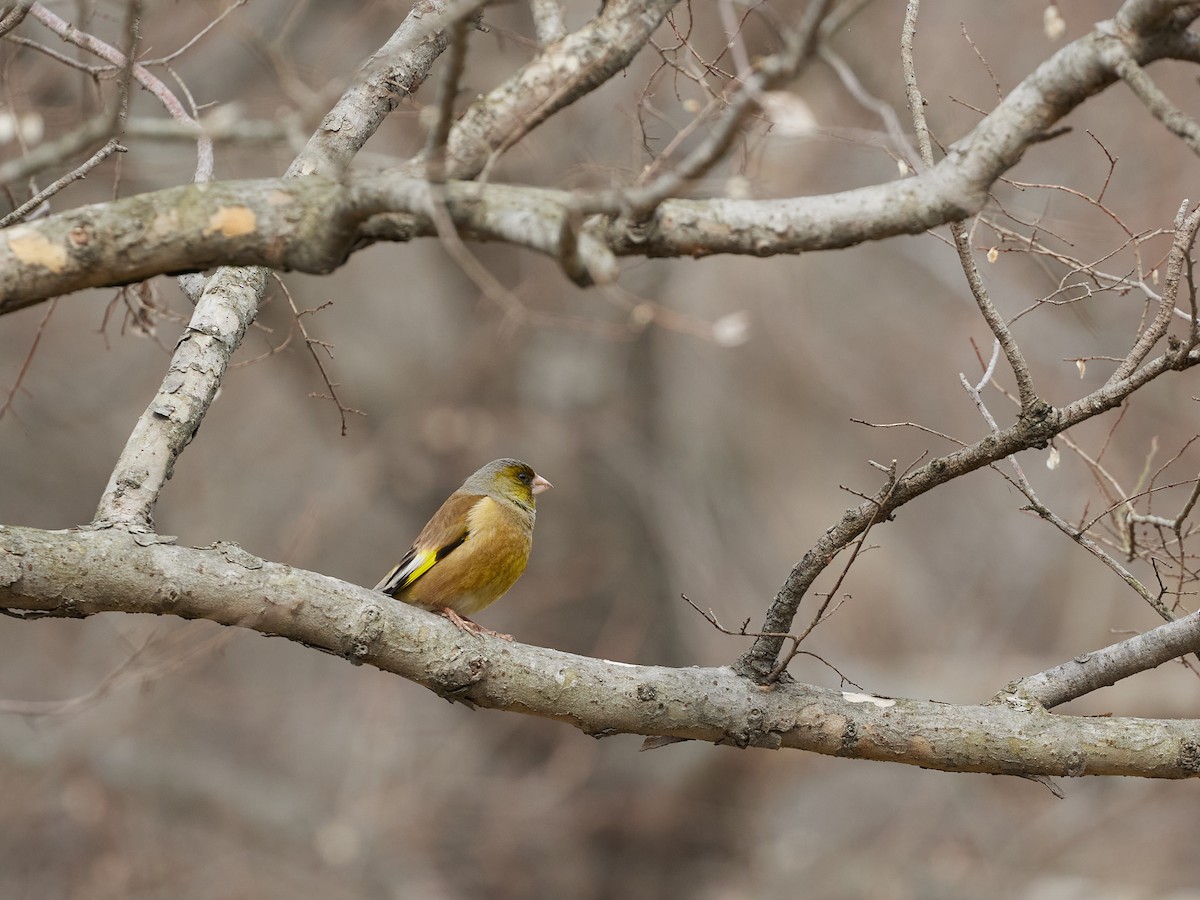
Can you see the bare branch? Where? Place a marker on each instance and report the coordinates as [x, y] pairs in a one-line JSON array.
[[14, 16], [311, 345], [198, 36], [456, 58], [249, 223], [1101, 668], [1185, 236], [1175, 120], [227, 585], [560, 75], [28, 361], [395, 71], [548, 21], [954, 189], [1080, 537], [768, 73]]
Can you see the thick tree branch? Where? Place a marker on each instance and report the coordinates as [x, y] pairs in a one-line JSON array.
[[548, 21], [83, 573], [956, 187], [226, 309], [177, 230], [1147, 15], [14, 15], [308, 225]]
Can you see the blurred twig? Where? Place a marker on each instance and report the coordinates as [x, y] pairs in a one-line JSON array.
[[28, 361], [91, 43]]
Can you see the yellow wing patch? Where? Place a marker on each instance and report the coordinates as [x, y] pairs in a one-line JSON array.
[[417, 567], [408, 570]]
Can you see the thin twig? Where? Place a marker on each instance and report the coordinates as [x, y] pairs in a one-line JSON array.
[[96, 72], [197, 37], [983, 60], [312, 343], [899, 142], [711, 617], [1185, 236], [18, 214], [916, 106], [931, 431], [641, 201], [28, 361]]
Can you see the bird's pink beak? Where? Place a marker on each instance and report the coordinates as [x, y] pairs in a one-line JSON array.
[[540, 484]]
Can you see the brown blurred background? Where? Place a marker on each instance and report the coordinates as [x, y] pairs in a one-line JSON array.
[[218, 763]]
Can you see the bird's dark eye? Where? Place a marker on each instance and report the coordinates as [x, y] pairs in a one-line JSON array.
[[523, 476]]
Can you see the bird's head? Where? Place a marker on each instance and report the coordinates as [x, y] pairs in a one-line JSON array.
[[510, 479]]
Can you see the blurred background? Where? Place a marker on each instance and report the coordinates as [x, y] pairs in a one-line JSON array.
[[696, 422]]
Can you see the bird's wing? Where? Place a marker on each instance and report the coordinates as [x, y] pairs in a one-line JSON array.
[[441, 535]]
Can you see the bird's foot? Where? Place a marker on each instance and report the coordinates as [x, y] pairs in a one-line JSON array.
[[472, 627]]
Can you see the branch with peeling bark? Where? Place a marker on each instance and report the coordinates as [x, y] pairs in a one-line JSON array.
[[954, 188], [225, 584]]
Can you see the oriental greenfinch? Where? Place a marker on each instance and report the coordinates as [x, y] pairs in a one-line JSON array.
[[474, 548]]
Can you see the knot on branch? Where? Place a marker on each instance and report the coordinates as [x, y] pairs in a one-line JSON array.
[[368, 629], [1039, 420], [458, 675], [1075, 764], [756, 733], [754, 667], [1183, 355], [1189, 756]]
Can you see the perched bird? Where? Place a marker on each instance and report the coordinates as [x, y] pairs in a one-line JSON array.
[[474, 548]]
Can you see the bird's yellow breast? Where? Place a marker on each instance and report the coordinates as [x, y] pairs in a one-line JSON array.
[[482, 569]]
